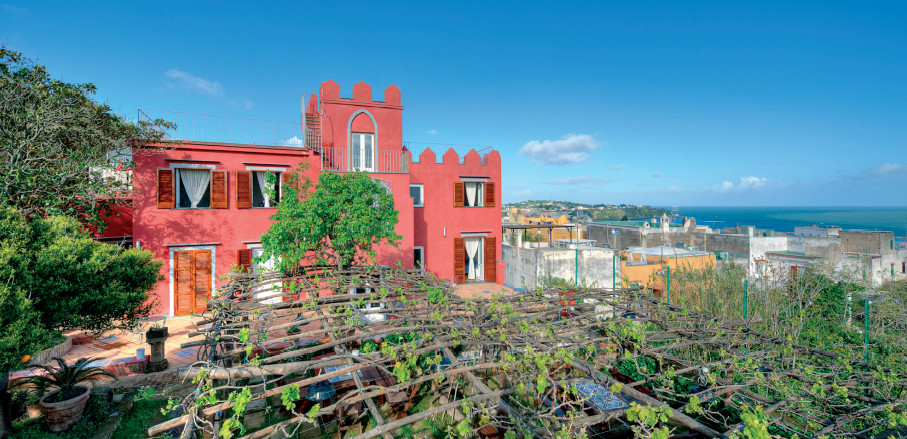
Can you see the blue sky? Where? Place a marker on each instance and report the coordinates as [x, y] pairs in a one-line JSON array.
[[662, 103]]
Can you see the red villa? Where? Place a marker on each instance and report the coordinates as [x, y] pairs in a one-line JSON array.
[[200, 206]]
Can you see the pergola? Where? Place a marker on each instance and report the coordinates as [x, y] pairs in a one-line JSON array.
[[576, 362], [569, 227]]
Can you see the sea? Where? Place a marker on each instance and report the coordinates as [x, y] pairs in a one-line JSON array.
[[784, 219]]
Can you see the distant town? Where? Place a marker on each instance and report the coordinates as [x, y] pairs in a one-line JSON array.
[[580, 212]]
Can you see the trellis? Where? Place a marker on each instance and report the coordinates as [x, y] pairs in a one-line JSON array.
[[544, 362]]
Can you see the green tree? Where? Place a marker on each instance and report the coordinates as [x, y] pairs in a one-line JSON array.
[[625, 218], [59, 148], [73, 280], [21, 335], [339, 222]]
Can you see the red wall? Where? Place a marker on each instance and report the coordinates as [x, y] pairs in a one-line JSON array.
[[438, 213], [153, 228], [337, 112]]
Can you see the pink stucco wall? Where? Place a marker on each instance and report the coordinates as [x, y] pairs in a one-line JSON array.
[[153, 228], [439, 211]]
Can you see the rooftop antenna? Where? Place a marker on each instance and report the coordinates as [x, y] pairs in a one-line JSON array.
[[714, 221], [674, 209]]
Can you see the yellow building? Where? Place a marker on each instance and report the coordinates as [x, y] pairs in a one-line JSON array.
[[646, 267]]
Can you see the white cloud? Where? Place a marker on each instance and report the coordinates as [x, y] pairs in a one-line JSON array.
[[745, 184], [657, 174], [580, 180], [204, 86], [431, 132], [572, 148], [674, 189], [618, 167], [292, 141], [881, 171]]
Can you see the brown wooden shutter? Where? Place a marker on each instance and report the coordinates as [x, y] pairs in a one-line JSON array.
[[491, 259], [243, 189], [244, 259], [218, 189], [165, 197], [183, 272], [489, 194], [458, 194], [459, 260]]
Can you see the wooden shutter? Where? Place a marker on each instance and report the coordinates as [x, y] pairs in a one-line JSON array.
[[165, 192], [244, 259], [182, 270], [460, 260], [243, 189], [218, 189], [489, 194], [458, 194], [491, 259], [202, 277]]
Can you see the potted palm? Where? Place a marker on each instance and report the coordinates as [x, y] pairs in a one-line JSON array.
[[64, 406]]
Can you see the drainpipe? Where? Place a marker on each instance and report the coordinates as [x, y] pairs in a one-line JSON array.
[[613, 270], [669, 284]]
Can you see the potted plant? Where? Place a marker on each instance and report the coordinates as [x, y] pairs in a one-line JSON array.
[[64, 406], [118, 394]]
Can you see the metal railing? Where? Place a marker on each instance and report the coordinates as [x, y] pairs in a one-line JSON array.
[[416, 148], [377, 161], [225, 129]]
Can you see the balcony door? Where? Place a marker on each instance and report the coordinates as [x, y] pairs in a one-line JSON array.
[[362, 151]]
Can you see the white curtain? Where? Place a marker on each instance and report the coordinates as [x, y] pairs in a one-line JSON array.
[[196, 183], [263, 184], [472, 247], [471, 189]]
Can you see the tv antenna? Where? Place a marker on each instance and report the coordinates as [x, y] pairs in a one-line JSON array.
[[674, 209], [714, 221]]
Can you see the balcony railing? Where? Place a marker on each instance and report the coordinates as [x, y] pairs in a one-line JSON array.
[[224, 129], [416, 148], [380, 161]]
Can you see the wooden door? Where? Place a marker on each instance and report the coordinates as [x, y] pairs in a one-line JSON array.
[[192, 270]]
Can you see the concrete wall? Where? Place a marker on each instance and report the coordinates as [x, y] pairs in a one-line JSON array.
[[828, 247], [866, 242], [525, 267]]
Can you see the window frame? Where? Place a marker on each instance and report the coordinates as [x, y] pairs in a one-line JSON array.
[[422, 254], [361, 150], [480, 194], [421, 194], [178, 181], [254, 181]]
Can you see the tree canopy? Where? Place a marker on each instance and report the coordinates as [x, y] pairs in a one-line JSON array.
[[71, 279], [61, 149], [339, 222]]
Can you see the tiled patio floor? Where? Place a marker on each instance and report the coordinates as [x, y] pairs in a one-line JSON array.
[[116, 345], [480, 289]]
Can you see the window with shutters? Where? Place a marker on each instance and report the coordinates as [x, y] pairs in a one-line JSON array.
[[474, 194], [193, 188], [262, 195]]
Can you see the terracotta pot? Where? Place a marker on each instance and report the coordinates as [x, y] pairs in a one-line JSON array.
[[61, 415], [33, 411]]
